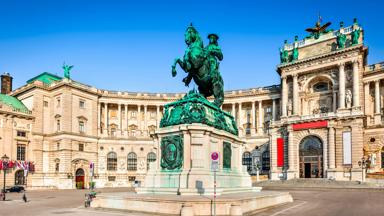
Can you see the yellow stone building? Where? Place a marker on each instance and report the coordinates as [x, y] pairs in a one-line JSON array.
[[326, 114]]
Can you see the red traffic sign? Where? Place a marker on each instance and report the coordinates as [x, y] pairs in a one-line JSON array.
[[215, 156]]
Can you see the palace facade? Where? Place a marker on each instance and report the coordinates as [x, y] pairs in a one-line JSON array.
[[324, 117]]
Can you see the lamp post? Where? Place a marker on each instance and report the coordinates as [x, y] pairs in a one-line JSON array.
[[4, 159], [363, 164]]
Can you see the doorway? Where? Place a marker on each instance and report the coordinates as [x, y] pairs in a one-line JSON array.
[[19, 177], [80, 178], [311, 157]]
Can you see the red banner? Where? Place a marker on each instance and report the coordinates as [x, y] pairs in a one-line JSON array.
[[310, 125], [280, 152]]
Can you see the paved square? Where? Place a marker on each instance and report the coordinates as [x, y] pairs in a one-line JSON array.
[[322, 202]]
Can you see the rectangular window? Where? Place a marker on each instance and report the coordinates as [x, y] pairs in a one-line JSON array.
[[21, 152], [58, 125], [131, 178], [57, 166], [347, 148], [58, 146], [45, 103], [21, 133], [81, 127], [82, 104], [111, 178], [133, 114], [81, 147]]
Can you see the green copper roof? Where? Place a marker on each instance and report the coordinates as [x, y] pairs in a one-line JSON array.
[[13, 102], [46, 78]]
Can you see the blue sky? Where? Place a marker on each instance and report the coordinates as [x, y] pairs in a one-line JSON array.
[[130, 45]]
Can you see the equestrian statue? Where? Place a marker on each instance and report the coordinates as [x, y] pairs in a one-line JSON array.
[[202, 65]]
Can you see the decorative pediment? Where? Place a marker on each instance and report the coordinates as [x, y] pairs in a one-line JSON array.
[[132, 127], [82, 118], [152, 127]]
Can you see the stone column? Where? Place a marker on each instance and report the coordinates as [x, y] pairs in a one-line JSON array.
[[126, 119], [106, 118], [366, 96], [377, 96], [240, 122], [234, 110], [295, 94], [273, 109], [261, 119], [334, 99], [119, 117], [253, 117], [331, 150], [341, 86], [291, 151], [284, 97], [145, 119], [138, 117], [356, 85], [99, 118], [157, 116]]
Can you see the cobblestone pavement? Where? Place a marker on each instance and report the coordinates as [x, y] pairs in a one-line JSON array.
[[313, 202]]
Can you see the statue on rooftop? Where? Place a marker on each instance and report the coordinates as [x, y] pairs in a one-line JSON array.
[[67, 70], [340, 40], [355, 36], [202, 65]]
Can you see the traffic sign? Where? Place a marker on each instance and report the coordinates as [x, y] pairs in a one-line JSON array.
[[215, 156]]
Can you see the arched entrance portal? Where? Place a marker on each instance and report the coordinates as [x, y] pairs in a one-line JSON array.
[[80, 178], [19, 177], [311, 157]]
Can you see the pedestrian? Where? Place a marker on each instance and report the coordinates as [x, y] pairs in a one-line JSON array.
[[25, 197]]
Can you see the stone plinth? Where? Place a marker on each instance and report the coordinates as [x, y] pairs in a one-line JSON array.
[[229, 204], [185, 164]]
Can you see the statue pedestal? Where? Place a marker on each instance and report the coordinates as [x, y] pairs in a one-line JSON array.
[[181, 179], [185, 164]]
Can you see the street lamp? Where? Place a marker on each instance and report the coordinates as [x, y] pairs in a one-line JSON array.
[[363, 164], [4, 160]]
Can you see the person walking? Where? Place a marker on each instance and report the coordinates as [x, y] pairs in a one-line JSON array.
[[25, 197]]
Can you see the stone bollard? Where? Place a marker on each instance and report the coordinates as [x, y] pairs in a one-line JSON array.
[[187, 210], [236, 210]]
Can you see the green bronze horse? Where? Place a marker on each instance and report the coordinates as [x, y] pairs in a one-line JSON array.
[[202, 65]]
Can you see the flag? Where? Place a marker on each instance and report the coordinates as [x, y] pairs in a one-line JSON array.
[[1, 165]]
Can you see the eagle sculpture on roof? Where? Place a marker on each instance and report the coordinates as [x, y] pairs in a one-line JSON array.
[[318, 29]]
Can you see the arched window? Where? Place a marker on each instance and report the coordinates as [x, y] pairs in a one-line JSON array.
[[151, 157], [132, 162], [247, 160], [112, 161], [265, 163], [320, 87]]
